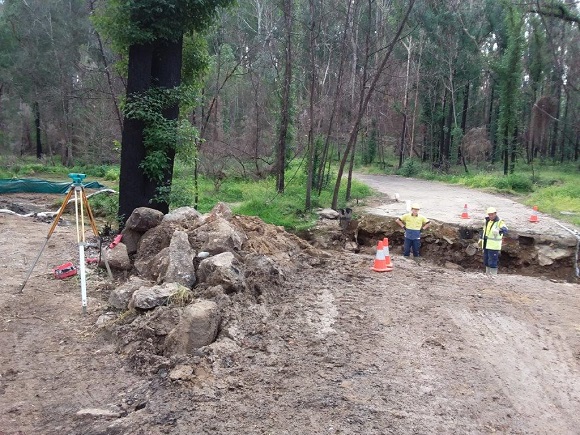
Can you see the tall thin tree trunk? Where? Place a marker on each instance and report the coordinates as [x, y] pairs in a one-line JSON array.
[[449, 129], [365, 101], [285, 110], [350, 169], [563, 135], [37, 129], [313, 79], [460, 155], [556, 128], [442, 152], [405, 103], [337, 95], [416, 103]]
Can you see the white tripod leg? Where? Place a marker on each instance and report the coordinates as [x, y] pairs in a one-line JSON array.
[[81, 242]]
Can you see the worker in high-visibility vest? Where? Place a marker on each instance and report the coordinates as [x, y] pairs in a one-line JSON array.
[[413, 223], [494, 229]]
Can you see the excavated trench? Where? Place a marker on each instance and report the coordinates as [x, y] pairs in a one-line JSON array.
[[455, 246]]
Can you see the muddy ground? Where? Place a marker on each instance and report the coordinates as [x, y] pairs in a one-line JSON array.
[[335, 349]]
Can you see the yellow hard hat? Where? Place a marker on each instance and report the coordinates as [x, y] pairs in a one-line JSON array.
[[491, 210], [416, 206]]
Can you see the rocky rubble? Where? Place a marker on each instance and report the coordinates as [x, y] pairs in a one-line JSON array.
[[188, 273]]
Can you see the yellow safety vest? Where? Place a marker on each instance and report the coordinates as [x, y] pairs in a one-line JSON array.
[[491, 236]]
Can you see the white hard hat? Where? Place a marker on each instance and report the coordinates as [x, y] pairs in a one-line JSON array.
[[416, 206], [491, 210]]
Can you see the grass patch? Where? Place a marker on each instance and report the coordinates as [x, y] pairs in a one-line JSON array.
[[259, 198], [181, 298], [31, 167]]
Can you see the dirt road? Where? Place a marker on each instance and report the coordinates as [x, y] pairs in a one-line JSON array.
[[445, 203], [337, 349]]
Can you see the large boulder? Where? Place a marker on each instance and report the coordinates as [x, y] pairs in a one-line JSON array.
[[147, 298], [119, 298], [223, 269], [118, 258], [198, 327], [179, 266], [131, 239], [151, 244], [143, 219], [548, 254], [185, 217], [217, 236]]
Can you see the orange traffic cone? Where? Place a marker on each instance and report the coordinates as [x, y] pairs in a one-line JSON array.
[[387, 254], [534, 216], [465, 214], [380, 262]]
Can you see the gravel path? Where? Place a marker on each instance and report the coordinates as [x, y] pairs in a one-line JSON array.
[[445, 203]]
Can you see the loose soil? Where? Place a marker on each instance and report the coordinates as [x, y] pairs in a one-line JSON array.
[[335, 349]]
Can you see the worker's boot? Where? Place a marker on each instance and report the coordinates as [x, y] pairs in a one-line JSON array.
[[486, 270], [493, 271]]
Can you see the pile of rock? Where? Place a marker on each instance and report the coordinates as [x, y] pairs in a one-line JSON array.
[[187, 269]]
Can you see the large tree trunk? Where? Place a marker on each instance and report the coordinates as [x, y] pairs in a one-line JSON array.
[[135, 188], [166, 74], [149, 66]]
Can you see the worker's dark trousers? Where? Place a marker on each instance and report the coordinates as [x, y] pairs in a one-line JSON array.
[[490, 258], [411, 243]]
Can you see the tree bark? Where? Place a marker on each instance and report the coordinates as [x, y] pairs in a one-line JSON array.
[[37, 129], [313, 78], [285, 110], [135, 188]]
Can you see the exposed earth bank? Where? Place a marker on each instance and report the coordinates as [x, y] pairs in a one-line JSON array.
[[546, 247], [333, 348]]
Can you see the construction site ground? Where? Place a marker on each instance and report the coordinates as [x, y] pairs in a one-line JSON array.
[[336, 349]]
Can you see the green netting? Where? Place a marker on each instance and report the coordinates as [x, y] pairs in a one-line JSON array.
[[33, 185]]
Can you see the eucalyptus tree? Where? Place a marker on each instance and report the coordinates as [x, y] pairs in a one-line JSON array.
[[284, 133], [367, 93], [454, 38], [510, 78], [152, 32], [553, 73]]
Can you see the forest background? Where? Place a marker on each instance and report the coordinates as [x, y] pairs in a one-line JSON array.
[[460, 90]]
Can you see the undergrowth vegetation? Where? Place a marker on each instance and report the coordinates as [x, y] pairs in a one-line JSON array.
[[555, 189], [247, 197], [259, 197]]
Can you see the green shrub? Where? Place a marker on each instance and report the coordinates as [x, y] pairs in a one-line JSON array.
[[105, 206], [520, 183], [410, 168]]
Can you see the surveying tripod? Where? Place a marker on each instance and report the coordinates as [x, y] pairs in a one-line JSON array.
[[81, 203]]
